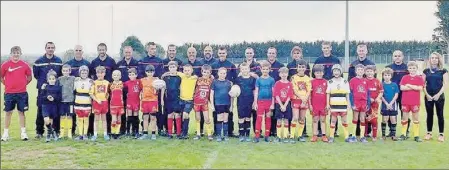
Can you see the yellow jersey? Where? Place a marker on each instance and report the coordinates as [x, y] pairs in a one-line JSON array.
[[99, 89], [187, 86], [301, 85], [82, 97]]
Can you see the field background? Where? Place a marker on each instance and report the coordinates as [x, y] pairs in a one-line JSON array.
[[162, 153]]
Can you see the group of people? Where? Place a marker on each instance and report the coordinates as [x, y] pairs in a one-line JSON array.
[[84, 95]]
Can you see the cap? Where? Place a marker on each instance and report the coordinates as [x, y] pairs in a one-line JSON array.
[[149, 68]]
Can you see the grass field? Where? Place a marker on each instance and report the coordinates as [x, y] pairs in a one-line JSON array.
[[162, 153]]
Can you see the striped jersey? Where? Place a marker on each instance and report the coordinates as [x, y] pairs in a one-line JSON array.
[[301, 85], [99, 89], [82, 97], [337, 90]]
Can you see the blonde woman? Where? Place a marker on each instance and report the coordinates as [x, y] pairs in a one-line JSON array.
[[435, 82]]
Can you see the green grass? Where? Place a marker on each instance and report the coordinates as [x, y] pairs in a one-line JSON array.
[[163, 153]]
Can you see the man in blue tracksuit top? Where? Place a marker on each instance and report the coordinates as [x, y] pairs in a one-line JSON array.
[[192, 60], [399, 70], [275, 66], [231, 75], [104, 60], [41, 67], [208, 56], [171, 56], [362, 52], [327, 59]]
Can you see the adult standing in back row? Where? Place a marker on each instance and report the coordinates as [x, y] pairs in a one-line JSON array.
[[274, 73]]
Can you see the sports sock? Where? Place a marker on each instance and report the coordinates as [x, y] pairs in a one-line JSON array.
[[416, 128], [198, 127], [383, 126], [332, 131], [279, 130], [170, 126], [178, 126], [129, 120], [247, 128], [393, 129], [362, 128], [292, 129], [219, 127], [301, 129], [374, 127], [267, 126], [62, 127], [225, 128], [80, 125], [241, 129], [185, 126], [136, 125], [85, 124], [208, 129], [285, 130], [258, 125], [404, 127], [345, 130], [69, 125]]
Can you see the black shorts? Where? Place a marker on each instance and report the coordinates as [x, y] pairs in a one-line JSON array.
[[13, 99], [222, 109], [66, 109], [50, 110], [283, 115], [389, 113], [244, 110], [172, 107], [186, 105]]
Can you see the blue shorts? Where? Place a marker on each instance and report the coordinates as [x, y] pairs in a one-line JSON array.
[[389, 112], [283, 115], [66, 109], [13, 99], [50, 110], [221, 109], [244, 110], [186, 105], [172, 107]]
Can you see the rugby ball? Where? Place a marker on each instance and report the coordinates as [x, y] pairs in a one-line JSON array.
[[158, 84], [235, 91]]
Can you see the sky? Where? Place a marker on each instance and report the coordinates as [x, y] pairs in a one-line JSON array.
[[31, 24]]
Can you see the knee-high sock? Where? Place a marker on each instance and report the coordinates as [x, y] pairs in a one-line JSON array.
[[258, 125], [393, 129], [383, 126], [285, 130], [404, 127], [170, 126], [332, 131], [293, 129], [345, 130], [208, 127], [80, 125], [267, 126], [178, 126], [219, 127], [301, 128], [185, 127], [416, 128], [198, 127], [279, 130], [374, 127], [129, 120], [62, 126], [225, 128], [136, 124], [247, 128], [69, 126], [118, 126], [362, 128], [242, 129]]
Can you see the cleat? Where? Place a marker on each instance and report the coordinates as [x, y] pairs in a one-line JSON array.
[[417, 139], [292, 141], [136, 136], [106, 137], [226, 138], [319, 135], [331, 140], [219, 139], [428, 136], [324, 139], [197, 137], [302, 139], [441, 138], [394, 138], [347, 140], [210, 137], [336, 135], [384, 138], [267, 139], [353, 139], [79, 138], [170, 136], [402, 138], [285, 140], [55, 136], [363, 140], [153, 137], [48, 138], [374, 139], [314, 139], [277, 140], [242, 139], [256, 140], [93, 138], [248, 139], [39, 136], [5, 137], [24, 136], [305, 135]]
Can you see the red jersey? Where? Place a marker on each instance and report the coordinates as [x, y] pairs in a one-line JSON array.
[[359, 89], [134, 88], [374, 87], [14, 76], [283, 90], [116, 94], [411, 97], [318, 96], [202, 91]]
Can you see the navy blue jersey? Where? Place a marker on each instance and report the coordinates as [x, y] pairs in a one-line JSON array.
[[75, 65], [123, 66], [109, 63], [434, 80], [209, 62], [43, 65], [172, 86], [327, 62], [51, 90], [247, 87], [167, 60], [231, 69], [399, 71], [150, 60], [274, 73], [196, 67], [293, 69], [221, 92], [351, 71]]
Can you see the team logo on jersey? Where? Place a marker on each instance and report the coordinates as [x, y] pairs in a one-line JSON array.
[[320, 90], [101, 88], [360, 88], [301, 86], [338, 87], [136, 88]]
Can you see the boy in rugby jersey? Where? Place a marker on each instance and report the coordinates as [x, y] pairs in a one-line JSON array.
[[149, 102], [338, 101], [51, 97], [244, 102], [389, 109], [282, 93], [411, 86], [300, 102], [375, 90], [66, 106], [132, 102], [170, 99], [99, 93], [222, 103], [83, 103], [318, 102], [201, 101], [263, 101], [359, 100], [116, 103]]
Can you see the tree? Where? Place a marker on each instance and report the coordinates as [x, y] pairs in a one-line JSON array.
[[136, 44], [442, 31]]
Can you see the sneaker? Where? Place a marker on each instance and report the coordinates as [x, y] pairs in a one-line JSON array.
[[348, 140], [48, 138], [331, 140], [292, 140], [302, 139], [314, 138], [24, 136], [324, 139], [219, 139], [363, 140], [374, 139], [210, 137], [241, 139], [428, 136], [277, 140], [170, 136], [256, 140], [267, 139], [153, 137], [248, 139], [305, 135], [197, 137], [394, 138], [402, 138], [93, 138], [79, 138], [417, 139], [5, 137], [384, 138], [226, 138], [106, 137], [336, 135], [441, 138], [39, 136]]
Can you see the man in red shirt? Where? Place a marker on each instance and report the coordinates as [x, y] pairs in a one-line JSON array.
[[15, 75]]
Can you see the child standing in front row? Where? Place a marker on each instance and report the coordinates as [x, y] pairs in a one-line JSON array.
[[133, 102], [300, 103], [100, 94], [375, 90], [83, 104], [149, 102], [201, 101], [51, 97], [116, 104], [282, 93], [222, 102], [244, 102], [318, 102], [389, 109], [359, 95], [411, 86], [66, 106]]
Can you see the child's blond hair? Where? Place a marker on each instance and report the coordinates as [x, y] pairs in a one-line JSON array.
[[411, 64], [387, 71], [283, 70], [100, 69]]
